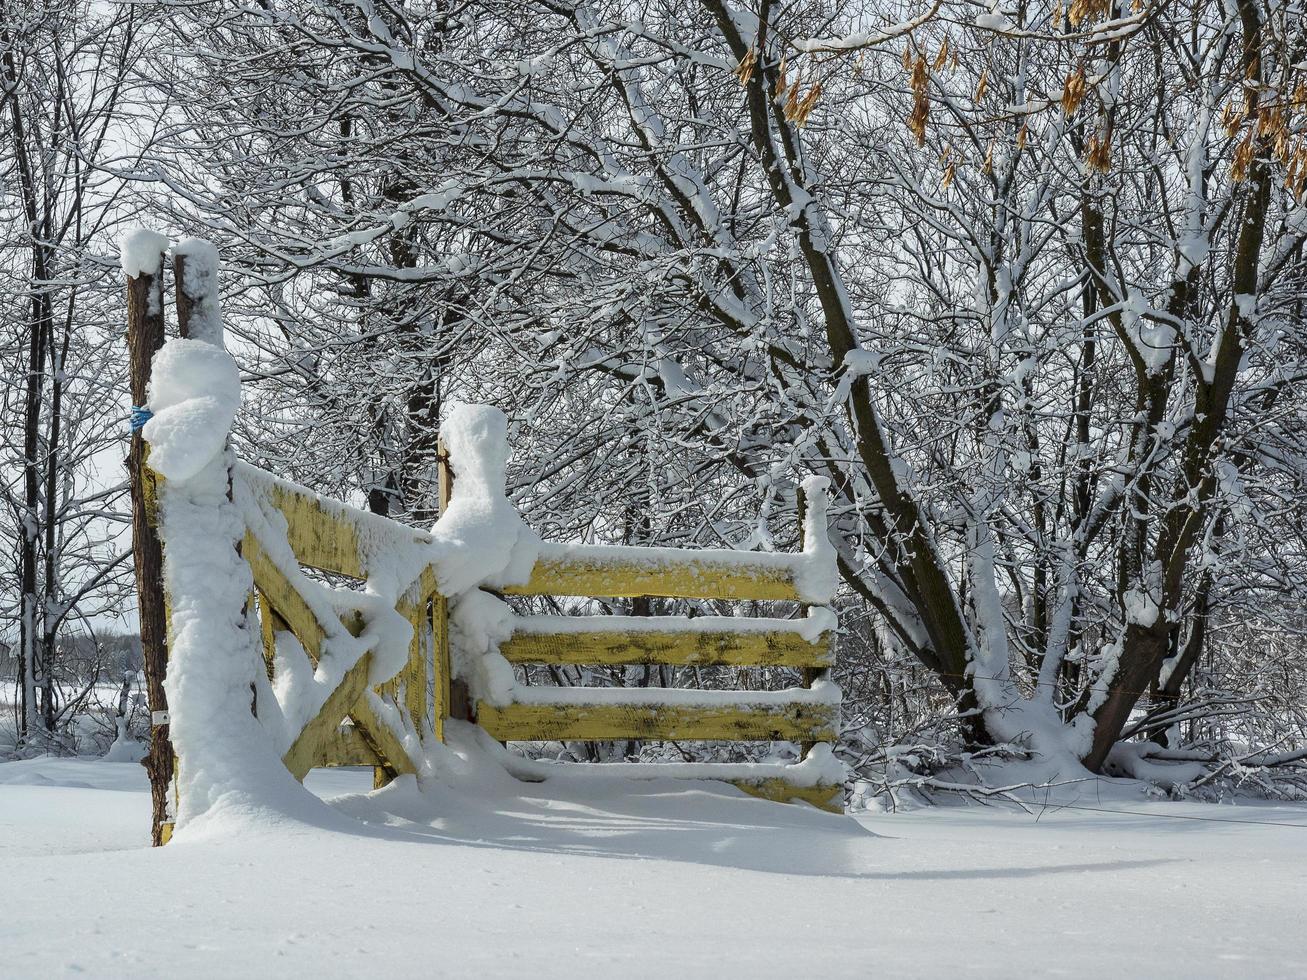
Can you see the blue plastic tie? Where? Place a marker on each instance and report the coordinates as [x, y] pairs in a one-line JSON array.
[[140, 415]]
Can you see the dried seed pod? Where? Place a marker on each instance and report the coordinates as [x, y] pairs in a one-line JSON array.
[[1073, 92], [920, 101], [942, 57], [782, 81], [744, 70], [1083, 11], [1098, 152], [982, 86], [806, 104], [1231, 119], [1243, 158]]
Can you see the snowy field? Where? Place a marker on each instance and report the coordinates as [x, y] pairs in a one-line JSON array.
[[608, 878]]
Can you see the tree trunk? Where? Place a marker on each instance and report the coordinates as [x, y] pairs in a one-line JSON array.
[[145, 335]]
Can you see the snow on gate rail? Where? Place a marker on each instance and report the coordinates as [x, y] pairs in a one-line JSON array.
[[361, 673]]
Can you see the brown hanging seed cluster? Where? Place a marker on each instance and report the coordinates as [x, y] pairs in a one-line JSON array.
[[796, 107], [745, 69], [1086, 11], [919, 80], [1073, 92], [1267, 131], [1098, 151]]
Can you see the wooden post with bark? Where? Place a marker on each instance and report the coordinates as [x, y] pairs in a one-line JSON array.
[[145, 335]]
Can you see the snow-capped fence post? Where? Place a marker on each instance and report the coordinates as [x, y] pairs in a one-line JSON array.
[[142, 260], [195, 272], [452, 699]]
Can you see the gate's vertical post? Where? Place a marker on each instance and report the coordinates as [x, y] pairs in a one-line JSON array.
[[443, 697], [195, 277], [810, 674], [145, 335]]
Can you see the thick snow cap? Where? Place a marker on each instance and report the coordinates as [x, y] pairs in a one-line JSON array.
[[200, 284], [195, 391], [141, 251], [481, 539]]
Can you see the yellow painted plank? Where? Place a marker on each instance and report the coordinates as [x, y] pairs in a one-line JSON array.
[[380, 738], [608, 722], [325, 533], [822, 796], [346, 747], [301, 621], [441, 696], [773, 648], [622, 571], [312, 740], [283, 597], [319, 538]]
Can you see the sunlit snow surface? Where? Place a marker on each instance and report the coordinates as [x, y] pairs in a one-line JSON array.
[[606, 878]]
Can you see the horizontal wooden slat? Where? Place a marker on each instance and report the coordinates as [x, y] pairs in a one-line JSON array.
[[798, 722], [622, 572], [823, 796], [679, 647]]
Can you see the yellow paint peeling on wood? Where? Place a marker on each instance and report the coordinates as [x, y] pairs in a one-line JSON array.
[[823, 796], [440, 690], [677, 647], [607, 722], [345, 746], [626, 574], [321, 537], [310, 744]]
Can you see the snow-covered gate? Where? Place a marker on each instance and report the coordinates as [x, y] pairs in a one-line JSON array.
[[352, 610], [807, 715]]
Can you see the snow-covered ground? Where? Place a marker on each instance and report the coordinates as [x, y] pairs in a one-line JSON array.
[[493, 877]]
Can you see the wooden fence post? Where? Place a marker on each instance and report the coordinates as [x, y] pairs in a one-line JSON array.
[[810, 674], [145, 335], [451, 697]]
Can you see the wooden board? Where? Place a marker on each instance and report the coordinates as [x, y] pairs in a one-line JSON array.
[[380, 738], [319, 538], [623, 572], [774, 648], [311, 743], [346, 747], [283, 597], [822, 796], [441, 695], [325, 533], [610, 722]]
